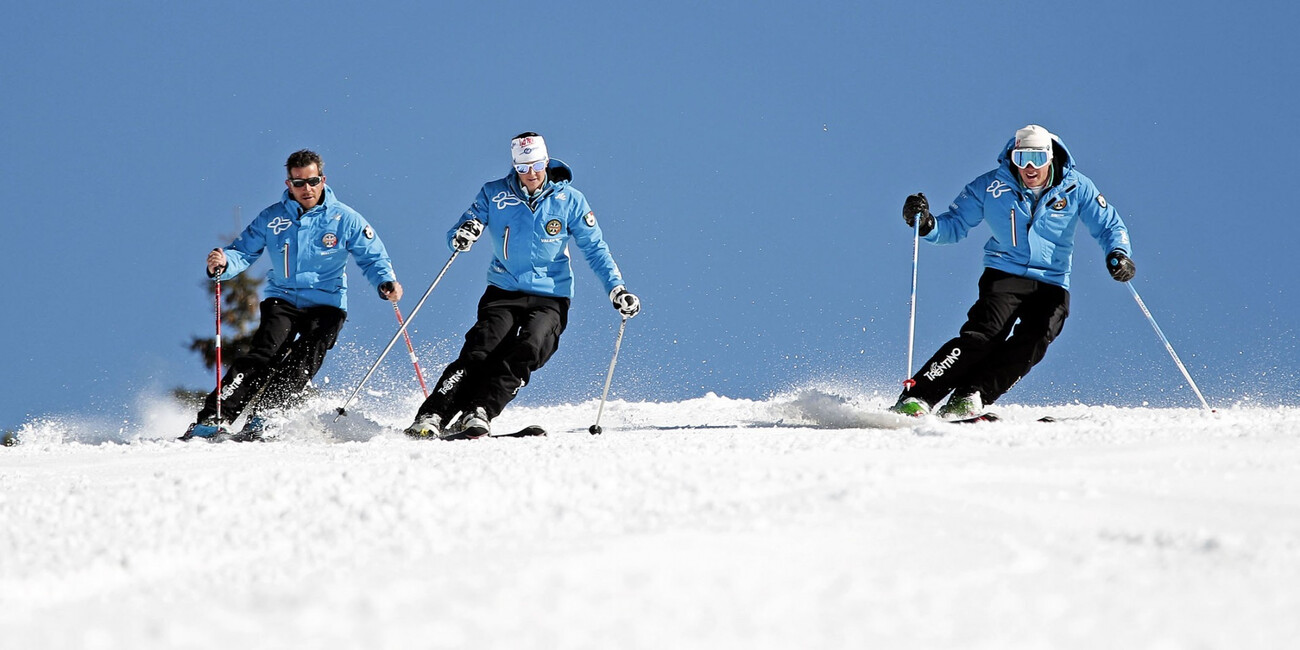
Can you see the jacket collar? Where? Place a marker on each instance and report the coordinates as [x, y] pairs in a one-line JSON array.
[[294, 208]]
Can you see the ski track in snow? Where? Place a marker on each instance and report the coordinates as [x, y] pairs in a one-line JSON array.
[[807, 520]]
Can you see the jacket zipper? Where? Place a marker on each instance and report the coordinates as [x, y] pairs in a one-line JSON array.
[[286, 259], [505, 243], [1013, 226]]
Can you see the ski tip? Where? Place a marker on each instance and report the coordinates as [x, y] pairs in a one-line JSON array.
[[526, 432], [983, 417]]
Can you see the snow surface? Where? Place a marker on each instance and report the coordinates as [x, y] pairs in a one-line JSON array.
[[807, 520]]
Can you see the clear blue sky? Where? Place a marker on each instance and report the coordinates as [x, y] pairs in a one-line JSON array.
[[748, 161]]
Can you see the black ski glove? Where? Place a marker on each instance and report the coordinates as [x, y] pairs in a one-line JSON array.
[[914, 205], [1120, 266]]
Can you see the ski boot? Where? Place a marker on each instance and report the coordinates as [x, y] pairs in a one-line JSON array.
[[911, 406], [473, 423], [254, 430], [208, 429], [962, 405], [425, 426]]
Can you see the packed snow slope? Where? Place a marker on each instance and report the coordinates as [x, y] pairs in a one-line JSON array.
[[807, 520]]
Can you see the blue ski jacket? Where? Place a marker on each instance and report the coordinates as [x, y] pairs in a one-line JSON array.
[[309, 250], [1032, 238], [530, 239]]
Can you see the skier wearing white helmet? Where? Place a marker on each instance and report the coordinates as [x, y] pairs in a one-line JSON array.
[[1032, 202]]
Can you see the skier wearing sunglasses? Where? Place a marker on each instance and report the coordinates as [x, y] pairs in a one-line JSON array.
[[530, 217], [307, 237], [1032, 202]]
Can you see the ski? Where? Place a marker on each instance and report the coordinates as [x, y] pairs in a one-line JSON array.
[[987, 416], [990, 416], [528, 431], [226, 436]]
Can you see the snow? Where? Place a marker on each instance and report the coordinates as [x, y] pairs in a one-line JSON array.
[[807, 520]]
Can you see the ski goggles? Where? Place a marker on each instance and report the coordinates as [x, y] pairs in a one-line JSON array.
[[1036, 158], [299, 182], [538, 166]]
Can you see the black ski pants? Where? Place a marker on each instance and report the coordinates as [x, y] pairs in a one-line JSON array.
[[516, 333], [287, 350], [1007, 332]]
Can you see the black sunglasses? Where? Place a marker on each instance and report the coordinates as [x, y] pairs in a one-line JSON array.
[[299, 182]]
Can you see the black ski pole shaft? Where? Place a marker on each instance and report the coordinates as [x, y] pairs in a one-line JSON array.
[[609, 376], [342, 410], [1178, 362]]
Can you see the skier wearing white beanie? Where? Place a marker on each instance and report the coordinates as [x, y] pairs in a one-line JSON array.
[[1032, 202], [528, 219]]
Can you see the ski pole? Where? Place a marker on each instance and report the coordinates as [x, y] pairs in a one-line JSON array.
[[410, 349], [342, 410], [1178, 362], [911, 321], [217, 282], [595, 428]]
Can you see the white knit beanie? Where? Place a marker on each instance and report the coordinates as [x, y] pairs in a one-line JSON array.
[[1034, 137]]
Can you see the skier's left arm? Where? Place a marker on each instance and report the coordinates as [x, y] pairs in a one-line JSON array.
[[1107, 227], [587, 235], [371, 256]]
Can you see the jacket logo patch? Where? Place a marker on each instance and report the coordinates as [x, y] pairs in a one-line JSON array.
[[368, 232], [329, 240], [590, 218], [1059, 205], [505, 199], [1101, 200], [553, 227], [997, 188], [279, 225], [562, 196]]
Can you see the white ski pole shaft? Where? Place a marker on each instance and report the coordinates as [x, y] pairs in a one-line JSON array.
[[609, 376], [342, 410], [911, 321], [1178, 362]]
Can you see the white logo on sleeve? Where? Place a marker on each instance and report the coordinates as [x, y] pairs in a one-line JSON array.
[[279, 225]]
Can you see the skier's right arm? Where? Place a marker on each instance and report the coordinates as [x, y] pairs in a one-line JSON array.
[[462, 236], [966, 212], [245, 250]]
